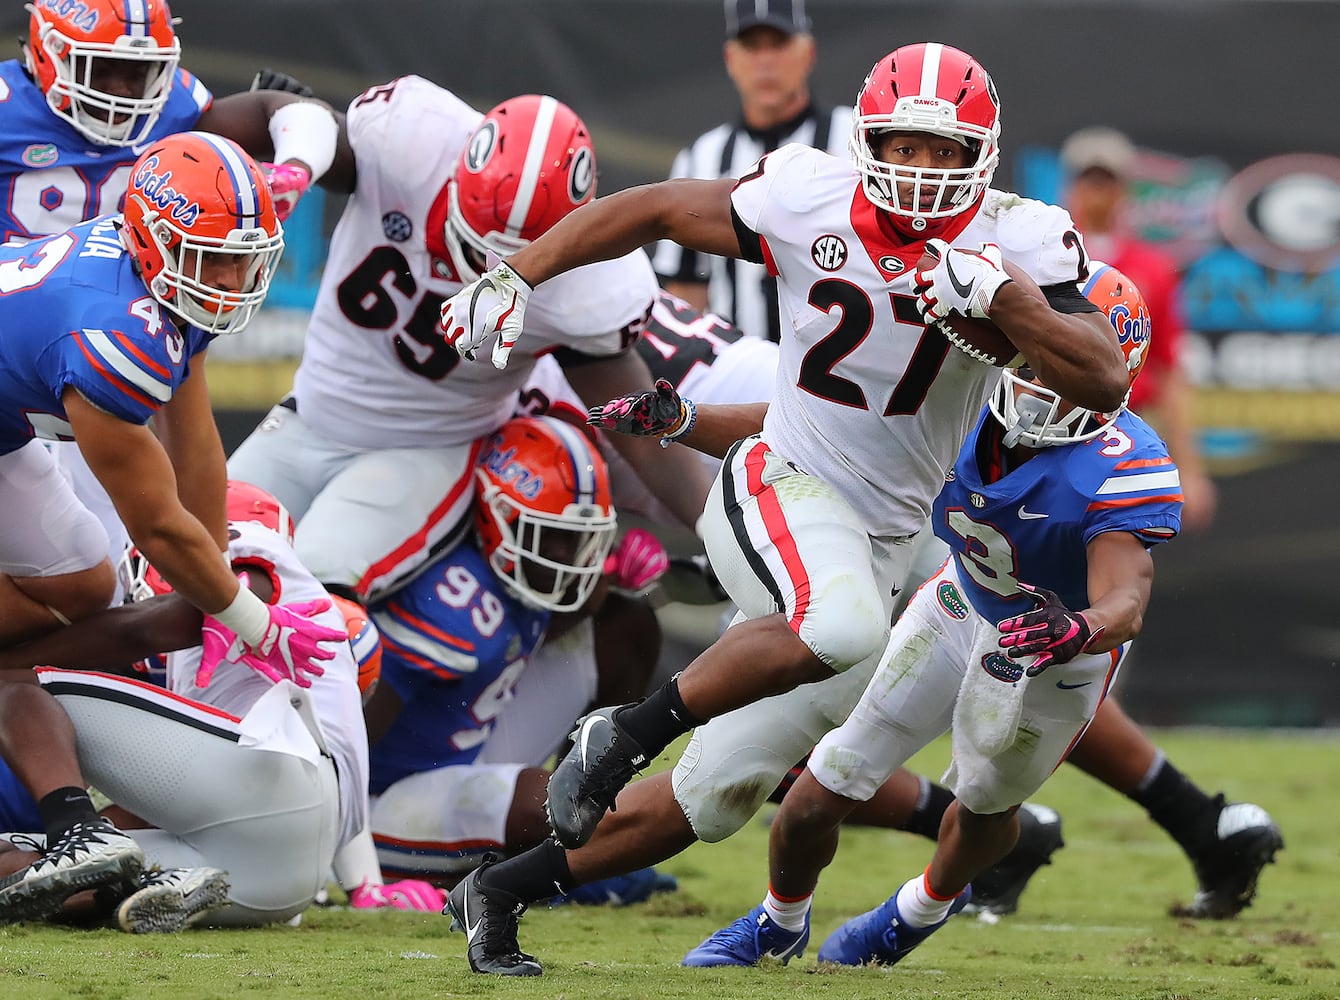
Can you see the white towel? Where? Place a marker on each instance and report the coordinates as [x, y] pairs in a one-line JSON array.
[[987, 711]]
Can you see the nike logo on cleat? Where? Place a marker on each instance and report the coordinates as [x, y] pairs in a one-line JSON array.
[[585, 734]]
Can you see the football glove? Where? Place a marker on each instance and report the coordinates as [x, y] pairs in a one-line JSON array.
[[288, 182], [273, 79], [287, 649], [495, 305], [638, 561], [408, 894], [961, 281], [1051, 631], [645, 414]]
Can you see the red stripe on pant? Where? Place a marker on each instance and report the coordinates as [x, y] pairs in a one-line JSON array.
[[774, 522], [417, 541]]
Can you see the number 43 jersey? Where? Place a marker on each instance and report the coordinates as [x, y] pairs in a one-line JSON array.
[[376, 372], [868, 398], [455, 641], [1034, 523]]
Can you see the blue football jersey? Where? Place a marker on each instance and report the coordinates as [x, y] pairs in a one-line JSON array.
[[51, 176], [73, 312], [454, 642], [1033, 523]]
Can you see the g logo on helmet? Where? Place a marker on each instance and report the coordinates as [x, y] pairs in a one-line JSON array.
[[482, 145], [582, 176]]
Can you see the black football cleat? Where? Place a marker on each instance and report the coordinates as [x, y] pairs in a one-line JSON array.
[[586, 782], [997, 890], [1245, 841], [489, 920]]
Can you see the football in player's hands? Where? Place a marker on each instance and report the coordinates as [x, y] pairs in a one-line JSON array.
[[981, 339]]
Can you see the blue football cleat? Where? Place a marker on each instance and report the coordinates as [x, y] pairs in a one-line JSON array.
[[748, 940], [880, 937]]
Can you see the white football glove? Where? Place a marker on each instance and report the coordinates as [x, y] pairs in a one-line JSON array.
[[493, 305], [962, 281]]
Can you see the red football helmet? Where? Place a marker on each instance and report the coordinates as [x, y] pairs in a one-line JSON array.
[[139, 580], [543, 511], [1046, 419], [71, 43], [246, 502], [200, 222], [528, 164], [364, 640], [935, 88]]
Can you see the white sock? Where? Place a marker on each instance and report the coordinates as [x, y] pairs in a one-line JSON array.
[[788, 915], [918, 907]]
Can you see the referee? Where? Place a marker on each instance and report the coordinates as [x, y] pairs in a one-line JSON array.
[[769, 54]]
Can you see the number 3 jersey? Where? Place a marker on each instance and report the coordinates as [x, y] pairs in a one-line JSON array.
[[454, 642], [52, 177], [73, 312], [376, 372], [1033, 524], [868, 398]]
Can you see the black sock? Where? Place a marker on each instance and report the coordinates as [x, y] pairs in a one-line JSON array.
[[656, 721], [63, 808], [1175, 803], [532, 875], [931, 805]]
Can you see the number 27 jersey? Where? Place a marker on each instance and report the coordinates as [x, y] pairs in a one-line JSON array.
[[868, 398]]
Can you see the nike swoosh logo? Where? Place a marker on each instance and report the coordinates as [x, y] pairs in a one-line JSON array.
[[1070, 687], [470, 929], [962, 289], [585, 734], [1025, 515]]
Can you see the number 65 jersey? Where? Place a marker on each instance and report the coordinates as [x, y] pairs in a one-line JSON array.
[[1033, 524], [868, 398], [376, 372]]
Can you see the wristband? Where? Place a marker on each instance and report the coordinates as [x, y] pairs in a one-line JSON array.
[[688, 416], [247, 616], [306, 131]]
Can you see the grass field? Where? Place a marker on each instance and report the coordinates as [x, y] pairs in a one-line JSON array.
[[1093, 925]]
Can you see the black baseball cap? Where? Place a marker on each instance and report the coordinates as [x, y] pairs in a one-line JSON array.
[[784, 15]]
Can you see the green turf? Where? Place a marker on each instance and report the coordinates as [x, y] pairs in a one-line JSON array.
[[1092, 926]]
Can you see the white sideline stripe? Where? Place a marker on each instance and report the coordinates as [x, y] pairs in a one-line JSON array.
[[154, 387], [1134, 484], [530, 173], [429, 648]]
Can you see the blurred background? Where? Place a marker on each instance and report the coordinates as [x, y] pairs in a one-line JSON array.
[[1237, 176]]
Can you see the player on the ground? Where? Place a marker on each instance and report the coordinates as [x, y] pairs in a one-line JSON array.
[[374, 450], [810, 524], [249, 784], [463, 635], [1050, 512]]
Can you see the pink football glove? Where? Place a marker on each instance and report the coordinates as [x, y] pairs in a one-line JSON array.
[[288, 183], [409, 894], [1051, 631], [287, 651], [638, 562]]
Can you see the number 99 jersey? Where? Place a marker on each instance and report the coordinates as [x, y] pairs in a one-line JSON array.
[[454, 643]]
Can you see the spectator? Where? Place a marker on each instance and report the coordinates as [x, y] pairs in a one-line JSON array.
[[1099, 162], [769, 55]]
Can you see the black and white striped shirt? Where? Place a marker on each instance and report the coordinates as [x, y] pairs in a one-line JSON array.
[[736, 289]]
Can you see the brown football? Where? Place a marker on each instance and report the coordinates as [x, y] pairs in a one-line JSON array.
[[981, 339]]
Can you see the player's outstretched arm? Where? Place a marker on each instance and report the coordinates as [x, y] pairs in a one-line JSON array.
[[190, 437], [1121, 575]]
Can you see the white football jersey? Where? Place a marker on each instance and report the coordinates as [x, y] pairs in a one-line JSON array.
[[375, 371], [335, 696], [868, 398]]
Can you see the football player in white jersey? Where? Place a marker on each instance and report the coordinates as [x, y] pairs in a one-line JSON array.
[[251, 779], [809, 524], [373, 450]]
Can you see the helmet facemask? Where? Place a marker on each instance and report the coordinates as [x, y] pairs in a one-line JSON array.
[[551, 561], [92, 111]]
